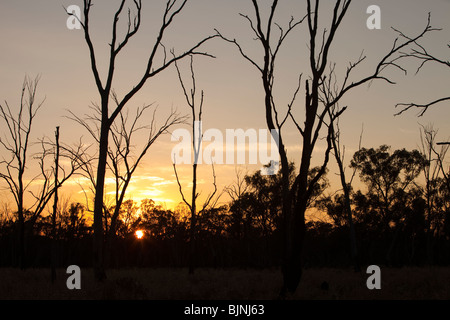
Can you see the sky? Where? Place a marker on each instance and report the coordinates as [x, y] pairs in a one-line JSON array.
[[36, 41]]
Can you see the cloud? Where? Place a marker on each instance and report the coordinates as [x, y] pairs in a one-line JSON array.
[[151, 178], [163, 183], [152, 192]]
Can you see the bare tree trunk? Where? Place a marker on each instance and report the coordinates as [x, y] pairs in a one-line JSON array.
[[21, 240], [432, 169], [55, 207], [295, 226], [98, 245], [192, 242], [348, 209], [196, 146], [335, 135]]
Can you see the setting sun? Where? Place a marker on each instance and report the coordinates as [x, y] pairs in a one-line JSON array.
[[139, 234]]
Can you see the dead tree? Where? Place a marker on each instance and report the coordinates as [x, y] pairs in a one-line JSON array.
[[432, 170], [339, 153], [108, 113], [428, 139], [122, 162], [123, 159], [55, 207], [318, 102], [196, 146], [273, 121], [16, 142]]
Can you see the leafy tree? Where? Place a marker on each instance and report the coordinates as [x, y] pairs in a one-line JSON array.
[[213, 222], [258, 210], [128, 217], [74, 221], [388, 176], [159, 223], [391, 188], [334, 207]]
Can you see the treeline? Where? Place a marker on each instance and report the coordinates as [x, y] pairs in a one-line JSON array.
[[401, 216]]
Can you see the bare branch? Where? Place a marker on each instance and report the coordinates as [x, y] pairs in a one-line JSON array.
[[389, 59], [19, 128], [419, 52], [211, 195], [240, 50], [424, 107], [180, 188]]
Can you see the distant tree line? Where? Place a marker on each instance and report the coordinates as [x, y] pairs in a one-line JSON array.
[[401, 217]]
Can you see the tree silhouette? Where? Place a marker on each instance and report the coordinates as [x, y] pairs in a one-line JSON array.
[[197, 136], [123, 157], [323, 92], [389, 178], [19, 131], [339, 153], [433, 170], [161, 224], [73, 221], [55, 207], [16, 143], [235, 191], [104, 87]]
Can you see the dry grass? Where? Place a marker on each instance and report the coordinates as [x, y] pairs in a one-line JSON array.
[[236, 284]]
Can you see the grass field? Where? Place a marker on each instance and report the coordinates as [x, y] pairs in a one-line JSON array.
[[239, 284]]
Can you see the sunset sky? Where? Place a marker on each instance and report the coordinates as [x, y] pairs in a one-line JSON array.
[[35, 41]]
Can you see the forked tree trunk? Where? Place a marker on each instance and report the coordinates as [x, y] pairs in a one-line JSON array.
[[295, 229]]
